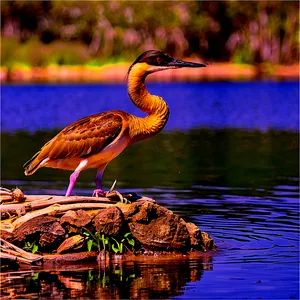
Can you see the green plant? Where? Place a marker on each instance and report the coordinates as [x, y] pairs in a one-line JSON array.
[[120, 245], [31, 247], [96, 240], [35, 276], [101, 241], [93, 240], [105, 241]]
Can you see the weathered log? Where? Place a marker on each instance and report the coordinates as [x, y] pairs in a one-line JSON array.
[[56, 209], [37, 202], [12, 253], [8, 195], [46, 224], [42, 201], [9, 248], [70, 257], [6, 258], [74, 242]]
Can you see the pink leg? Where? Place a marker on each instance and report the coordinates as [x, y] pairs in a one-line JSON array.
[[74, 176], [73, 179]]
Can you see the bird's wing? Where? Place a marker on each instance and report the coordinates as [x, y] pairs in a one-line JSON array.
[[85, 137]]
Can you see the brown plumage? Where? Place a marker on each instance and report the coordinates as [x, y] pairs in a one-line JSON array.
[[93, 141]]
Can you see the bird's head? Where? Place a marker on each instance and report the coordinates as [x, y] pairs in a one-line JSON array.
[[153, 61]]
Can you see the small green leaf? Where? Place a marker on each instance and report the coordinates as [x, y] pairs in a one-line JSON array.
[[90, 275], [35, 248], [131, 242], [118, 244], [127, 234], [89, 245], [116, 250]]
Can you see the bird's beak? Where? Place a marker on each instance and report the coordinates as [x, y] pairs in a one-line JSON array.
[[184, 64]]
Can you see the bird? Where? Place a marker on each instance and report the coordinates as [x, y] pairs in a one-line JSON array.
[[95, 140]]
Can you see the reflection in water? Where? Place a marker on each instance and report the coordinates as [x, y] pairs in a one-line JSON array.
[[127, 280]]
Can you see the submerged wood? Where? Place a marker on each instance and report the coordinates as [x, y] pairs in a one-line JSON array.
[[57, 225]]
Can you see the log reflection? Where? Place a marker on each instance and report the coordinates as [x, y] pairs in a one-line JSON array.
[[124, 280]]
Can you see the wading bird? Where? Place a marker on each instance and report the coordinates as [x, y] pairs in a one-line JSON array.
[[93, 141]]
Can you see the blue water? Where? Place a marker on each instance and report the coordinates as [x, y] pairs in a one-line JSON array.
[[241, 186], [260, 105]]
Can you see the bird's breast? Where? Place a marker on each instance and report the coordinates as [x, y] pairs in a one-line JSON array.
[[109, 152]]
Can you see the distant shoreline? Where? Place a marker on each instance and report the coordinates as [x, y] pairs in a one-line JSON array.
[[116, 73]]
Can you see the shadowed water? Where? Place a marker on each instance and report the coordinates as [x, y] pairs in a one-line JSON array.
[[232, 168]]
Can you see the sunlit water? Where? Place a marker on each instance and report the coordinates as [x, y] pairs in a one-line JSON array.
[[230, 168]]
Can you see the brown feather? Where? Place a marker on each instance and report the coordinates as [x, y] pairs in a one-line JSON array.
[[84, 138]]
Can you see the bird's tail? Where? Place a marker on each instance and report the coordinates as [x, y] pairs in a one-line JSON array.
[[32, 164]]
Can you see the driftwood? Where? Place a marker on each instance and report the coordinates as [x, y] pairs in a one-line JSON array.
[[57, 226], [32, 203], [12, 253]]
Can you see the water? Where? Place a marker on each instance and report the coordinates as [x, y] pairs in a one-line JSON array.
[[228, 161], [256, 105]]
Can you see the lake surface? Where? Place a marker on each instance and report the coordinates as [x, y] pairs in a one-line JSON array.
[[256, 105], [228, 160]]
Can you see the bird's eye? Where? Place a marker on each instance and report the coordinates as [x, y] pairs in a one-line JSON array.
[[159, 60]]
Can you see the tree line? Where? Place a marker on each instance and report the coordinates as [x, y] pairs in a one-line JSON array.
[[77, 32]]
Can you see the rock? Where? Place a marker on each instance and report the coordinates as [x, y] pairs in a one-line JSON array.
[[50, 233], [156, 227], [110, 221], [78, 218], [195, 235], [207, 241], [72, 243]]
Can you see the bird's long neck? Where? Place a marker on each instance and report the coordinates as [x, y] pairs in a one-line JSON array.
[[156, 108]]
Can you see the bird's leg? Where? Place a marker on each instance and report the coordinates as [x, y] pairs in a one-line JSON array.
[[74, 177], [98, 192]]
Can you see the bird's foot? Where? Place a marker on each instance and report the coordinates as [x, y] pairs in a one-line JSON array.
[[99, 193], [111, 194]]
